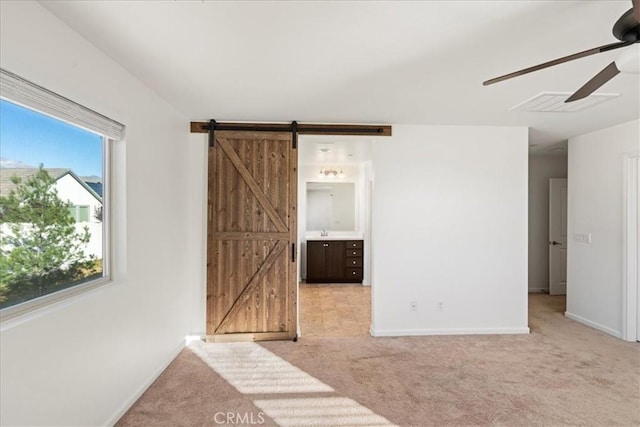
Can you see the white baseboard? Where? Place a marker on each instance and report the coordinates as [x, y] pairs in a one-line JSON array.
[[538, 290], [452, 331], [136, 395], [593, 325], [198, 336]]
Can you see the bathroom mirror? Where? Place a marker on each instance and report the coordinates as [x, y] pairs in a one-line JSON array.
[[331, 206]]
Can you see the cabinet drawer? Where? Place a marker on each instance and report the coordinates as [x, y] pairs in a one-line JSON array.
[[354, 244], [354, 273], [354, 262], [354, 252]]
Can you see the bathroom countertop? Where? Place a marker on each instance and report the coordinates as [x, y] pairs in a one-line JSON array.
[[331, 236]]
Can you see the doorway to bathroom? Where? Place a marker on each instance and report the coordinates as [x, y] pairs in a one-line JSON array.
[[335, 192]]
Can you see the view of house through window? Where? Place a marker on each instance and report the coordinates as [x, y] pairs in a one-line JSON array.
[[51, 204]]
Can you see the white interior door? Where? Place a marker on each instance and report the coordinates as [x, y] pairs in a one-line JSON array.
[[558, 236]]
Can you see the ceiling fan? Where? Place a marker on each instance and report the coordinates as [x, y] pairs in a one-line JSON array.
[[626, 29]]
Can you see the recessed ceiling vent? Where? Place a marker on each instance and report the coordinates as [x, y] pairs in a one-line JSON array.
[[553, 102]]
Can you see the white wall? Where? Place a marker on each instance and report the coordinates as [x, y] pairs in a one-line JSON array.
[[594, 270], [83, 361], [450, 226], [541, 169]]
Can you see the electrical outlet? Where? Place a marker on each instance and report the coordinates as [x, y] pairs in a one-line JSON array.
[[440, 306], [413, 306]]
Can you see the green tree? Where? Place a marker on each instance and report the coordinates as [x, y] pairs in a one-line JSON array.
[[41, 251]]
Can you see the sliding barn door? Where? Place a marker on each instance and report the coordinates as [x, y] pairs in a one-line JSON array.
[[251, 259]]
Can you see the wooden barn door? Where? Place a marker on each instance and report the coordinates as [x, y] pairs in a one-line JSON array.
[[251, 232]]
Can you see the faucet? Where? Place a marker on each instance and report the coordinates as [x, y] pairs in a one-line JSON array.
[[324, 233]]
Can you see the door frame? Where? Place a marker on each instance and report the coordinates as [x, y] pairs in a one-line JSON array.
[[209, 127], [364, 190], [631, 247]]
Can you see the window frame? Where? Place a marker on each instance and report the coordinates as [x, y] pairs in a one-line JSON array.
[[24, 310]]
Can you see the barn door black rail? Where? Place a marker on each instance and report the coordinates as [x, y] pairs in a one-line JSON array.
[[294, 127]]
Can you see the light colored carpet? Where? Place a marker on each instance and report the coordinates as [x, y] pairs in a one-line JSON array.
[[320, 411], [563, 373], [252, 369]]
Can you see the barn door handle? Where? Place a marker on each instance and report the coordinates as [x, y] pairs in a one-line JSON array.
[[293, 252]]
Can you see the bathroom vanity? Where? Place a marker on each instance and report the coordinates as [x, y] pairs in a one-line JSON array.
[[334, 261]]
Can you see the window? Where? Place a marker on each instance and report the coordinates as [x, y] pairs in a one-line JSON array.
[[54, 204], [79, 213]]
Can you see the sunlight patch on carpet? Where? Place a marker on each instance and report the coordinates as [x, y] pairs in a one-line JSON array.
[[320, 411], [253, 369]]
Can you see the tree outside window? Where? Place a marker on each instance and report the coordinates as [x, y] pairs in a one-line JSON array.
[[42, 250]]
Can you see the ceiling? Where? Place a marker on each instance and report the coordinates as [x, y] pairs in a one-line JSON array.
[[363, 62], [331, 150]]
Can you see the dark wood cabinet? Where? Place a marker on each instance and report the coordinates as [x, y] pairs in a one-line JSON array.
[[334, 261], [315, 260]]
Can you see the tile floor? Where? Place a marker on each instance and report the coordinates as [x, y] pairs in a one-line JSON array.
[[335, 310]]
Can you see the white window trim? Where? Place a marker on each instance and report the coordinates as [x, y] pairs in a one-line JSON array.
[[111, 132], [19, 91]]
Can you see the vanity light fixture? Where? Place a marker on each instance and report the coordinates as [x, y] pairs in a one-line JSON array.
[[331, 173]]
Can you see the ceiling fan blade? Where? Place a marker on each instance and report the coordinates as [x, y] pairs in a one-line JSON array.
[[578, 55], [609, 72], [636, 9]]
